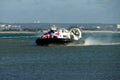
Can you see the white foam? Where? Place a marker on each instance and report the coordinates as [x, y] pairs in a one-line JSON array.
[[93, 41]]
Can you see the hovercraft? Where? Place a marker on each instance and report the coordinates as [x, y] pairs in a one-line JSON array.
[[60, 36]]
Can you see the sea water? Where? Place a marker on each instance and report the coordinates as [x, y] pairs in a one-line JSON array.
[[97, 59]]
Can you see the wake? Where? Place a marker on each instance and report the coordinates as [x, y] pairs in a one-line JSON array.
[[90, 41]]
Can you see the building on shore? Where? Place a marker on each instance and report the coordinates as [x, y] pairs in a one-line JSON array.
[[5, 27], [118, 26]]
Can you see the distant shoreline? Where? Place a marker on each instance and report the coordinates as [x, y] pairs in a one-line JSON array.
[[90, 31], [17, 32], [32, 32]]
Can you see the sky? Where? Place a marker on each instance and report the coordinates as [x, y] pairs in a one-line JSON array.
[[60, 11]]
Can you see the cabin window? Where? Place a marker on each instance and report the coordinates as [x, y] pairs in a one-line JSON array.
[[64, 36]]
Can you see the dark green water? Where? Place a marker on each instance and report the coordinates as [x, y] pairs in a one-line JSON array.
[[20, 59]]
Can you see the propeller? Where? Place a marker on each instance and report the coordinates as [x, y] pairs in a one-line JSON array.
[[76, 32]]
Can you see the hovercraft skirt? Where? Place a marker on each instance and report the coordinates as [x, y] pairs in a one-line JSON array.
[[47, 41]]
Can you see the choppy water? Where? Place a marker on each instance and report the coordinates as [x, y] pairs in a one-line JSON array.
[[97, 59]]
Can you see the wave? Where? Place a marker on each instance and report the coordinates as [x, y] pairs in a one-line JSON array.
[[90, 41], [14, 37], [74, 44]]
